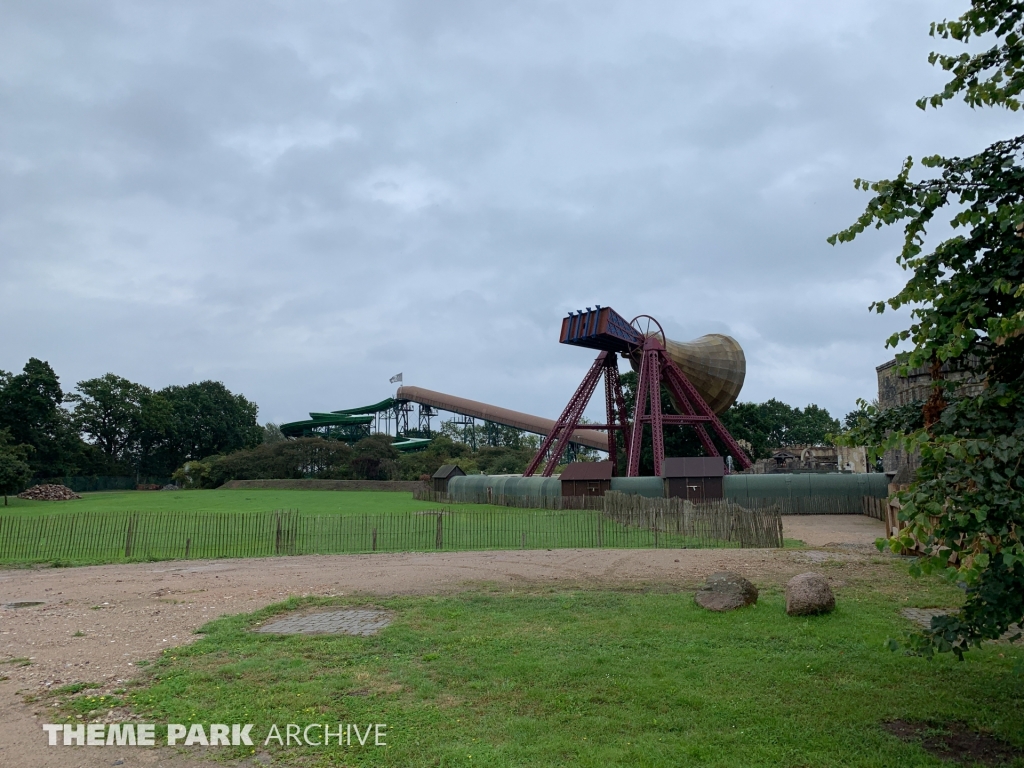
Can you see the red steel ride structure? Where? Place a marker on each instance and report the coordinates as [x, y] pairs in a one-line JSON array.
[[643, 342]]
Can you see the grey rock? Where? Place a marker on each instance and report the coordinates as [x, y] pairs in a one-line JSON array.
[[726, 591], [809, 593]]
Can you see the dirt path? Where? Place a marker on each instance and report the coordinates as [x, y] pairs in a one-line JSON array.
[[96, 622]]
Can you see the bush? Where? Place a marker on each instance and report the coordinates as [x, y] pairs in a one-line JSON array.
[[374, 458], [285, 460], [442, 450]]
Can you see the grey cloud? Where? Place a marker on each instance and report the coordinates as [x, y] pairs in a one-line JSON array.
[[302, 200]]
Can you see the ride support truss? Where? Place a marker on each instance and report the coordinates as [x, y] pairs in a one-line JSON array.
[[657, 369], [643, 341], [557, 440]]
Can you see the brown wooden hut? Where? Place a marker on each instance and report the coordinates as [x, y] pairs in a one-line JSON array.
[[439, 480], [587, 478], [694, 477]]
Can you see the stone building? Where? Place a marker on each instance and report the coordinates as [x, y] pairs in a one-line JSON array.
[[895, 390], [813, 458]]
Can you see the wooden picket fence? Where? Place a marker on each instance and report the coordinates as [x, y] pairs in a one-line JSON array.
[[95, 537], [876, 508], [797, 505], [756, 523], [711, 520], [124, 536]]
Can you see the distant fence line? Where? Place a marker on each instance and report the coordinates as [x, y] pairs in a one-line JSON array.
[[628, 522], [786, 505], [89, 484], [312, 484], [522, 502]]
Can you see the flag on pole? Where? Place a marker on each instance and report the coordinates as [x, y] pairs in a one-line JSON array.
[[396, 379]]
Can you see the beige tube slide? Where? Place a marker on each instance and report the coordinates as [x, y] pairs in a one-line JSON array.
[[536, 424]]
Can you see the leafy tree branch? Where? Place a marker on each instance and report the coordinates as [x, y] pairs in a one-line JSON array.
[[965, 510]]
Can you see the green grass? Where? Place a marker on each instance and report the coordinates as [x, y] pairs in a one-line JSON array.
[[311, 502], [73, 688], [501, 677]]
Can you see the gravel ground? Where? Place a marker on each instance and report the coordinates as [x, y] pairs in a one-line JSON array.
[[96, 622]]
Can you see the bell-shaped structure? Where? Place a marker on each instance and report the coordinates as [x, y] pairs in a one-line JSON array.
[[714, 364]]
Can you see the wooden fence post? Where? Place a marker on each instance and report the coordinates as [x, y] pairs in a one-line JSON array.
[[128, 536]]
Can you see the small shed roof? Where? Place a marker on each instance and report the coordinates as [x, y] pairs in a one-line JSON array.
[[447, 471], [693, 466], [588, 470]]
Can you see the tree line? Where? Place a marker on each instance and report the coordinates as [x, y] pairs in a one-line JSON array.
[[766, 427], [490, 449], [110, 426], [372, 458], [203, 435]]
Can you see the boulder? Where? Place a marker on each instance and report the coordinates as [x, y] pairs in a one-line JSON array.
[[807, 594], [726, 591]]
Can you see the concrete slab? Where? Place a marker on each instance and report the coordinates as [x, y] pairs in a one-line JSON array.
[[361, 622]]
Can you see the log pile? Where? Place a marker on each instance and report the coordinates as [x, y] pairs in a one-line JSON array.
[[49, 493]]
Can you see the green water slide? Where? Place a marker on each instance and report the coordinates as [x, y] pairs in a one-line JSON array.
[[383, 405], [329, 425], [410, 444], [350, 425]]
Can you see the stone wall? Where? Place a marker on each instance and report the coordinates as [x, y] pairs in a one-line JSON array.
[[852, 458], [407, 486], [895, 390]]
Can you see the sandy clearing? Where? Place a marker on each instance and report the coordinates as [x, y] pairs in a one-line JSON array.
[[132, 612], [823, 530]]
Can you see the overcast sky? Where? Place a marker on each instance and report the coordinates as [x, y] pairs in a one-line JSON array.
[[301, 199]]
